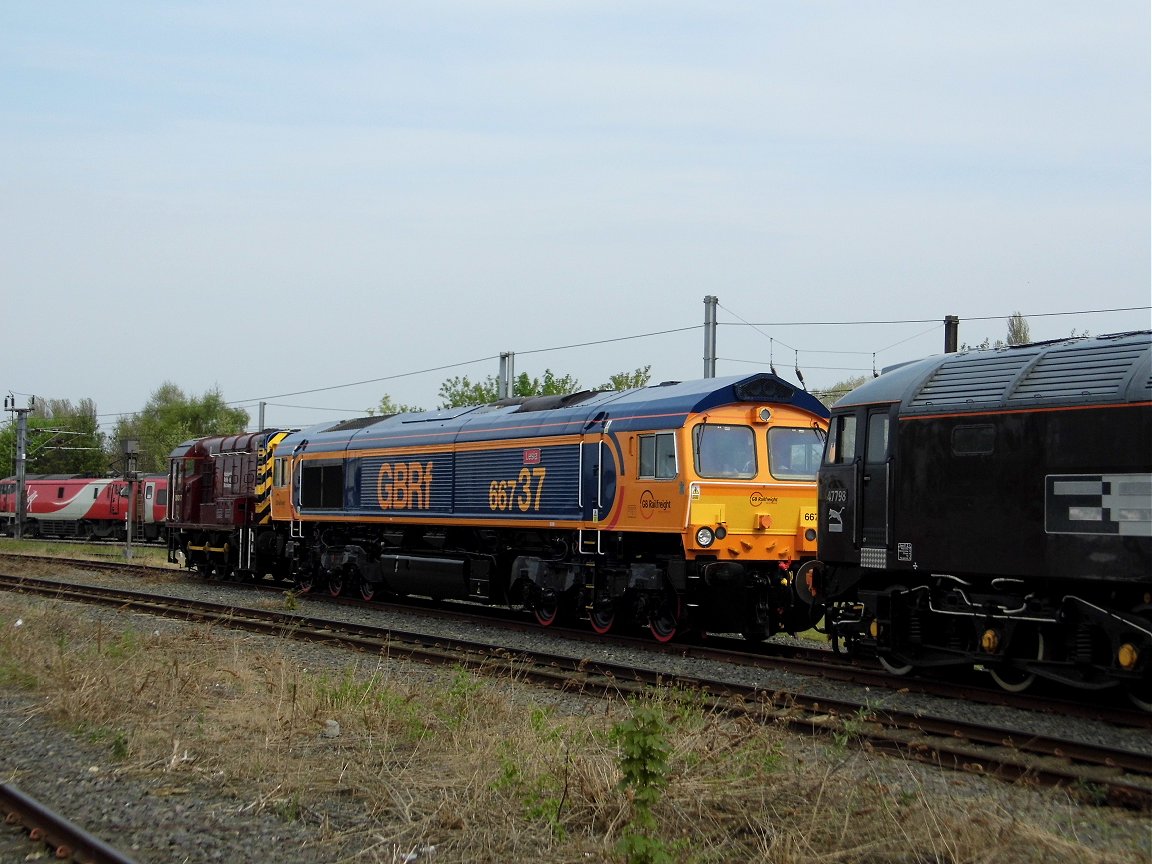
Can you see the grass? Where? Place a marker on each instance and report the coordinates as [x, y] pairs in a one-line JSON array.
[[383, 755], [152, 554]]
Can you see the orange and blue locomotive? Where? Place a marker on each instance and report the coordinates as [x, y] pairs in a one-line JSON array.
[[994, 509], [674, 505]]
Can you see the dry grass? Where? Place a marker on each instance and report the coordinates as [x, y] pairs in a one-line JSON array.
[[152, 554], [478, 767]]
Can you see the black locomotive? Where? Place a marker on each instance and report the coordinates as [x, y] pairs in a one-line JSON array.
[[993, 509]]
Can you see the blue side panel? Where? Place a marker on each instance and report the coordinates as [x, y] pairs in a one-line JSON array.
[[515, 483], [418, 485]]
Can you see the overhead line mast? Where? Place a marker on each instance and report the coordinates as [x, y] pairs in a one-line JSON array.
[[21, 459]]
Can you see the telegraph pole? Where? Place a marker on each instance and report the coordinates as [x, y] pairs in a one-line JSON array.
[[21, 459], [710, 336]]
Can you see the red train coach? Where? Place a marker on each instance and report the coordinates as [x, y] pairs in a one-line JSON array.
[[70, 506]]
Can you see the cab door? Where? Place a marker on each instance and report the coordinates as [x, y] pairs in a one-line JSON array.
[[838, 488], [876, 480], [147, 509]]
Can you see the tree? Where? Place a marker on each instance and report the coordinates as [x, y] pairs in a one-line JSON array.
[[461, 390], [170, 418], [1018, 333], [62, 438], [629, 380], [829, 396], [388, 407]]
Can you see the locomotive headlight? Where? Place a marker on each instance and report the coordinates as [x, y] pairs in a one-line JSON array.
[[705, 536]]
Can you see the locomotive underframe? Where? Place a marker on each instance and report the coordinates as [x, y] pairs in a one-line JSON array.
[[1014, 628], [607, 578]]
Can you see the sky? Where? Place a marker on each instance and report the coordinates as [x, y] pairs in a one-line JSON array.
[[316, 205]]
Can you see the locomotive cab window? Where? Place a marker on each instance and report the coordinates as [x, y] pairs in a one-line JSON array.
[[794, 453], [657, 456], [724, 451], [877, 437], [841, 448]]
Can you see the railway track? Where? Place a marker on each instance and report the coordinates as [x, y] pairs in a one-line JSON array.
[[1113, 775], [790, 656], [41, 828]]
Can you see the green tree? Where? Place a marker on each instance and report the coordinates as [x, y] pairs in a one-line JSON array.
[[171, 417], [629, 380], [388, 406], [1018, 332], [831, 394], [461, 390], [62, 438]]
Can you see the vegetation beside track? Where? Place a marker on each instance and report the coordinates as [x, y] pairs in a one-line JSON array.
[[490, 768], [141, 554]]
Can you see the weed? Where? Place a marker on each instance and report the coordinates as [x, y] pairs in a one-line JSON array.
[[1090, 793], [289, 809], [644, 749], [17, 677]]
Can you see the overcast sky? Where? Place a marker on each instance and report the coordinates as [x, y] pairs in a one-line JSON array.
[[269, 198]]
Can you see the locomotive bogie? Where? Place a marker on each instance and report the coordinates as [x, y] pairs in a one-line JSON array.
[[995, 510]]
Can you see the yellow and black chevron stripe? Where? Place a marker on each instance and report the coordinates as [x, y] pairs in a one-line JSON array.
[[262, 509]]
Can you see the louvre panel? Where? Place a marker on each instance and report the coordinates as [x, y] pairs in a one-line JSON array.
[[1072, 372], [967, 380]]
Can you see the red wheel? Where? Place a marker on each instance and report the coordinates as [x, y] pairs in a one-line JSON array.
[[547, 608], [602, 619], [666, 619], [336, 584], [367, 589]]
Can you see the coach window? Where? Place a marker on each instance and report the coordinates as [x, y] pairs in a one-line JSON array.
[[725, 451], [841, 440], [657, 456]]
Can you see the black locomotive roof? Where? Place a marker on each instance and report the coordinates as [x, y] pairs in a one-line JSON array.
[[1078, 371]]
